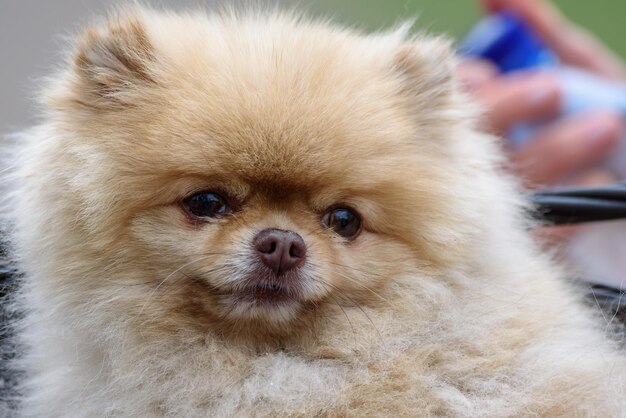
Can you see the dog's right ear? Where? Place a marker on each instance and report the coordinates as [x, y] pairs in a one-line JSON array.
[[112, 64], [426, 67]]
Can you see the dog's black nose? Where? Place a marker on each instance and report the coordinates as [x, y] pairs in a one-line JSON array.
[[280, 250]]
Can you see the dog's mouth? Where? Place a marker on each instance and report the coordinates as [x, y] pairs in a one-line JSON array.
[[268, 293], [270, 298], [263, 288]]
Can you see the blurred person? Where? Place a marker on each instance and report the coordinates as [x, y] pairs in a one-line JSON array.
[[569, 149]]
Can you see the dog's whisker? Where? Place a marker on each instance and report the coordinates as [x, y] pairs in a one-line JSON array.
[[166, 278], [356, 282], [354, 302]]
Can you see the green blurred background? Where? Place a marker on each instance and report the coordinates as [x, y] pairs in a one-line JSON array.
[[32, 32], [606, 18]]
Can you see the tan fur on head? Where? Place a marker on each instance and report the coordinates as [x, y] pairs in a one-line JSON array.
[[440, 306]]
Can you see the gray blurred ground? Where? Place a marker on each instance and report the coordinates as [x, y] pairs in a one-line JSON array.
[[32, 40]]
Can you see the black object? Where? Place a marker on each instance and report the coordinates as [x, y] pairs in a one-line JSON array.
[[568, 205], [571, 205], [610, 300]]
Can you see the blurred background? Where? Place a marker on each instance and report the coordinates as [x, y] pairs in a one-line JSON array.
[[33, 33]]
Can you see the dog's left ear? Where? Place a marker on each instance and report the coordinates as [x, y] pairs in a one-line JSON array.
[[112, 63], [426, 67]]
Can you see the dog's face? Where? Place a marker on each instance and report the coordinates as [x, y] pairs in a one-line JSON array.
[[254, 171]]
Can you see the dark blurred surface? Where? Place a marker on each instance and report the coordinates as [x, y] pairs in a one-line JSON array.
[[8, 378]]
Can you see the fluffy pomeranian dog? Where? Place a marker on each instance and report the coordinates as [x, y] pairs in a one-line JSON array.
[[260, 215]]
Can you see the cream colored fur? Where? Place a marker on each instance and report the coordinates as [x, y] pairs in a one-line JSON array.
[[442, 306]]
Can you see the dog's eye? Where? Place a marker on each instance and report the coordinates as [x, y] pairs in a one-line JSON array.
[[207, 205], [343, 221]]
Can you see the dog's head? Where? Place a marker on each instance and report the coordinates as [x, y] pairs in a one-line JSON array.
[[247, 172]]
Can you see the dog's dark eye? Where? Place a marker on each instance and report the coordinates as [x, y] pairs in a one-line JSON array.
[[207, 205], [343, 221]]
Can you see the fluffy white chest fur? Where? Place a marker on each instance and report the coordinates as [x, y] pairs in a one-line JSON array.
[[257, 215]]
